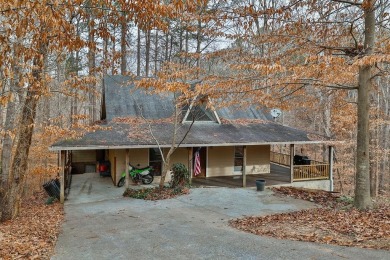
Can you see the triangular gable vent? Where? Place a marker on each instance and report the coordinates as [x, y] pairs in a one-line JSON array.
[[201, 114]]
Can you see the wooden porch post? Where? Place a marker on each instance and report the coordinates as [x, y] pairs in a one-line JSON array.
[[244, 169], [190, 163], [331, 167], [62, 176], [292, 153], [127, 168]]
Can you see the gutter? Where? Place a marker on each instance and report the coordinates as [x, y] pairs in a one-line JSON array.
[[112, 147]]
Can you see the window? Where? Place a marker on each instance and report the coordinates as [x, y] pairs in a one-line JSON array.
[[155, 160], [200, 114], [238, 158]]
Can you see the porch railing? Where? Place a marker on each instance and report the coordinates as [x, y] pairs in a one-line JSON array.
[[280, 158], [311, 172], [315, 171]]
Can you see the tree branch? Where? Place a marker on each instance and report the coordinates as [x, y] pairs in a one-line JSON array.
[[348, 2]]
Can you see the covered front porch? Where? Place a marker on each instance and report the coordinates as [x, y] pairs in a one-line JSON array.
[[219, 164], [279, 175]]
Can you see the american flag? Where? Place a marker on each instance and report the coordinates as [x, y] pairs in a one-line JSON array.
[[197, 169]]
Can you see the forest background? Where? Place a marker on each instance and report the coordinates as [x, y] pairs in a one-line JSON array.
[[324, 63]]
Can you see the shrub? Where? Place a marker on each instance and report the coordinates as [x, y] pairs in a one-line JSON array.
[[180, 176]]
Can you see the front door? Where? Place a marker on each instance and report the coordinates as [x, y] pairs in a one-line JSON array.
[[202, 158]]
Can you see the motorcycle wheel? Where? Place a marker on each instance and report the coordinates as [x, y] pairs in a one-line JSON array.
[[121, 182], [147, 179]]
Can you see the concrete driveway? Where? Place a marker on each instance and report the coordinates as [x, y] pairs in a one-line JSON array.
[[194, 226]]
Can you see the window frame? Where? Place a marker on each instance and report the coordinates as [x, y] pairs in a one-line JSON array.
[[240, 158], [153, 162]]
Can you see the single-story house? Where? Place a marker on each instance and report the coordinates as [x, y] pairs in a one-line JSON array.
[[230, 141]]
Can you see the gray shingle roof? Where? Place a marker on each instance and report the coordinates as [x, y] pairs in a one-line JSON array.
[[127, 136], [122, 100]]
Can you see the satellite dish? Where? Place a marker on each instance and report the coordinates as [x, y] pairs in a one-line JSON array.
[[275, 112]]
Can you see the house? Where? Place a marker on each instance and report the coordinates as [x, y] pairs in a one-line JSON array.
[[230, 141]]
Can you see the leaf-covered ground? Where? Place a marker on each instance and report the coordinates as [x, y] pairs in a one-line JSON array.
[[33, 234], [155, 193], [336, 223]]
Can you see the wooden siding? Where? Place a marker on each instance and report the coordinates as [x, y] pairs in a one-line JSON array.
[[138, 156], [84, 156], [180, 156], [258, 159], [220, 161]]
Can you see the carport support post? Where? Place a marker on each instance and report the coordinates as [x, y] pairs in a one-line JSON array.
[[292, 153], [244, 169], [190, 163], [331, 167], [127, 169], [62, 176]]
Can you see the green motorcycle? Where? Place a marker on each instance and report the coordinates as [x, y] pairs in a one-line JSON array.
[[145, 175]]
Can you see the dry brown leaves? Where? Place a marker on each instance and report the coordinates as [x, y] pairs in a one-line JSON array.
[[156, 193], [139, 120], [337, 224], [141, 128], [33, 234], [324, 198], [243, 121]]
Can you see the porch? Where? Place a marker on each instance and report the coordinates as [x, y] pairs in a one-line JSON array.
[[284, 170], [279, 175], [275, 168], [303, 169]]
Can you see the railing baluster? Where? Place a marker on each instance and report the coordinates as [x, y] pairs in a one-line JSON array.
[[311, 172]]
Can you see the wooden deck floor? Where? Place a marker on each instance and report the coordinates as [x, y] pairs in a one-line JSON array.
[[279, 175]]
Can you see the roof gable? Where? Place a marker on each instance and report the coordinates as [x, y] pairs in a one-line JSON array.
[[123, 99], [201, 114]]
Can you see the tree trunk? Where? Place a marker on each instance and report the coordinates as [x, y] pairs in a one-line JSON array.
[[198, 42], [383, 173], [10, 199], [91, 67], [362, 183], [113, 57], [181, 45], [7, 142], [164, 172], [166, 45], [138, 52], [123, 47], [147, 53], [374, 155], [6, 151], [156, 53], [173, 147], [186, 46]]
